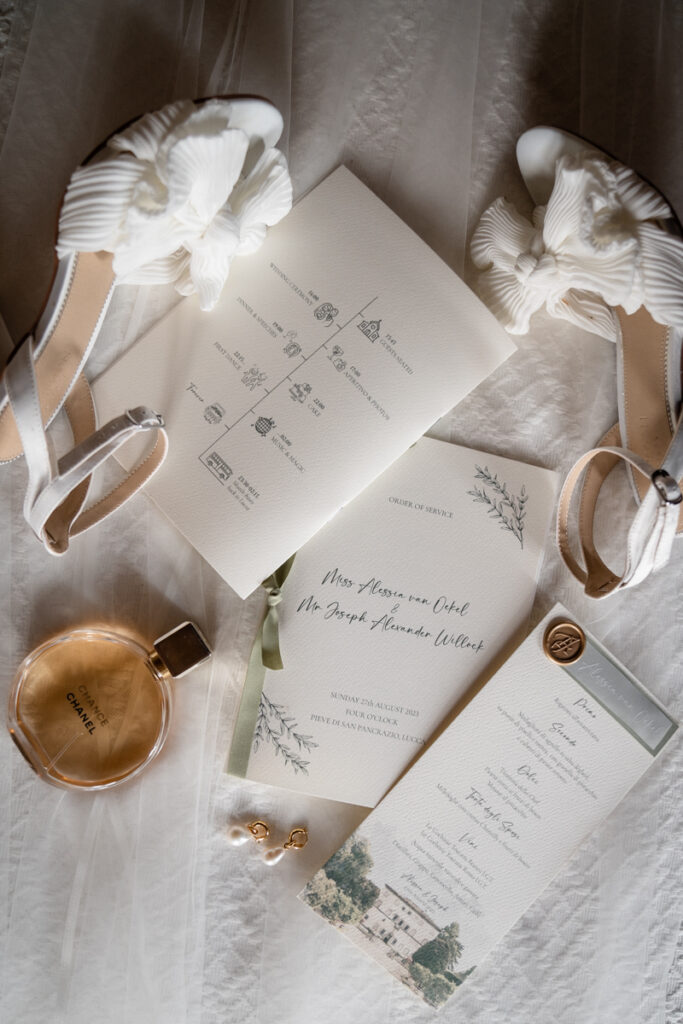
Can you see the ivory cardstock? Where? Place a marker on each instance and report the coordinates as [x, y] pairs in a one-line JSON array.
[[332, 349], [388, 617], [461, 846]]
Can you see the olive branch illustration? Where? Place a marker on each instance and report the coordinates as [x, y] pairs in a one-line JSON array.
[[507, 509], [274, 725]]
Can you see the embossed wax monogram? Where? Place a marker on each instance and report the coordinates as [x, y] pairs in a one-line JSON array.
[[564, 642]]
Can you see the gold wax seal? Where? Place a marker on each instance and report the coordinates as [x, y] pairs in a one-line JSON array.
[[564, 642]]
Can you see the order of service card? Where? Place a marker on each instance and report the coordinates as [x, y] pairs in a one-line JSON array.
[[331, 351], [461, 846], [390, 614]]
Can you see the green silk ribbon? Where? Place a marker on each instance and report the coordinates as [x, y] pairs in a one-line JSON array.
[[270, 627], [265, 653]]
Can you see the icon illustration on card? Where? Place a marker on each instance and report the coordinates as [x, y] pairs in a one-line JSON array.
[[317, 353], [472, 834]]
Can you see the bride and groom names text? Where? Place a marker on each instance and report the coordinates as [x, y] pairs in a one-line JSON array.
[[353, 614]]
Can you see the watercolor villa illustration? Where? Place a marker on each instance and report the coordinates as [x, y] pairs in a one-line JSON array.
[[386, 925]]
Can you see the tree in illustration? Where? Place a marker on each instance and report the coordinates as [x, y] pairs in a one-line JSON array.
[[349, 867], [442, 952], [325, 896], [340, 891], [436, 988]]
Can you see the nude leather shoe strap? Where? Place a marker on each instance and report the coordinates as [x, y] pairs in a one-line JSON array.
[[65, 337], [653, 528], [135, 480], [80, 411], [48, 508], [22, 391]]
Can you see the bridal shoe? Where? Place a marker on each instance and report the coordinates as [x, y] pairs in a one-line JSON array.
[[603, 251], [172, 198]]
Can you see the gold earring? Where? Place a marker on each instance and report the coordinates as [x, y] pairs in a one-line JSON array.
[[257, 830], [298, 838]]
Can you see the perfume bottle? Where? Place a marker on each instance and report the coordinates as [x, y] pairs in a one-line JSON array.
[[91, 708]]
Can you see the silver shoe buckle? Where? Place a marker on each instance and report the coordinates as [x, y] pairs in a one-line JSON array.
[[667, 488], [144, 418]]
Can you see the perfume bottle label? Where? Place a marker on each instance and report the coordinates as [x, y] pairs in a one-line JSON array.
[[83, 715], [95, 711]]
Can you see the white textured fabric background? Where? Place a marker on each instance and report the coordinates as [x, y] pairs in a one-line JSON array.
[[129, 907]]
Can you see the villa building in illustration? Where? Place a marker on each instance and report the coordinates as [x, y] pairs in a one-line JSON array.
[[370, 328], [401, 925]]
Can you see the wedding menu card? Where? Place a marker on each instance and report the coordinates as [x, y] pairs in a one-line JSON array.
[[389, 615], [462, 845], [332, 349]]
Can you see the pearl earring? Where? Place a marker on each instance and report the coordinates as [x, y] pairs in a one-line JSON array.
[[239, 834], [298, 838]]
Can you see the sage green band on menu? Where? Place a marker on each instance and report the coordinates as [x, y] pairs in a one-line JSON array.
[[622, 696], [265, 653]]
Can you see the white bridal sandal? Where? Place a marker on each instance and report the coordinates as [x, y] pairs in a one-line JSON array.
[[603, 251], [172, 198]]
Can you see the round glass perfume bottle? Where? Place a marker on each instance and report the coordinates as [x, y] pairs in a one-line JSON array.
[[91, 708]]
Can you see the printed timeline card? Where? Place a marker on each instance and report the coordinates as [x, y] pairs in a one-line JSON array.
[[473, 833], [332, 349], [389, 615]]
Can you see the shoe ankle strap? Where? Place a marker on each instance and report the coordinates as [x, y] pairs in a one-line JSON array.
[[56, 490], [654, 525]]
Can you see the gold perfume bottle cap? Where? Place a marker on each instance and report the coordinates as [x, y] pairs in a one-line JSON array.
[[182, 649]]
